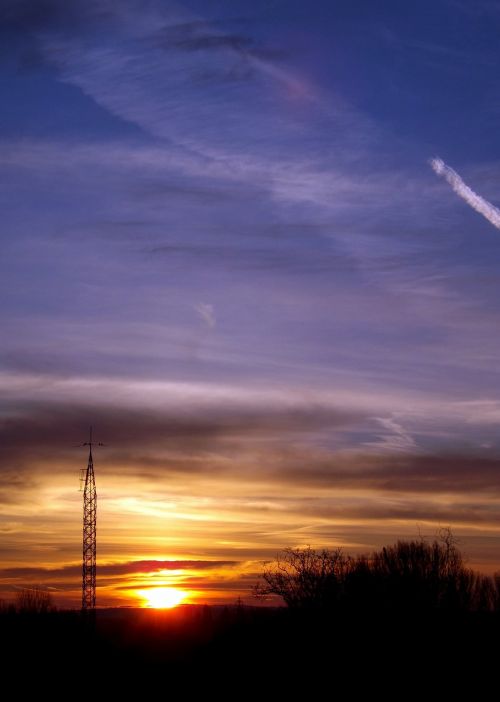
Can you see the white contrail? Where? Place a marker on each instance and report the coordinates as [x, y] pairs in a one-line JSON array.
[[481, 205]]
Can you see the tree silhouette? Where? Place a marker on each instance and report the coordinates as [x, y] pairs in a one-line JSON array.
[[413, 575], [34, 600], [305, 577], [419, 574]]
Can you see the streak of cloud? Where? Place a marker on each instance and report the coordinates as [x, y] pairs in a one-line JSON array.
[[478, 203], [207, 314], [112, 569]]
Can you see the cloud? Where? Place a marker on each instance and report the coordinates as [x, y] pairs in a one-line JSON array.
[[295, 443], [395, 438], [168, 437], [45, 412], [207, 314], [112, 569], [23, 22], [478, 203], [244, 130], [200, 35], [446, 472]]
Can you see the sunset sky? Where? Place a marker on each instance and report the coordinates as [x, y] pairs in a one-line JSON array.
[[225, 246]]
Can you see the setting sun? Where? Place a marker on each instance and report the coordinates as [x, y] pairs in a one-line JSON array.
[[162, 597]]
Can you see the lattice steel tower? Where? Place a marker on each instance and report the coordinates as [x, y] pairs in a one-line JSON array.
[[87, 483]]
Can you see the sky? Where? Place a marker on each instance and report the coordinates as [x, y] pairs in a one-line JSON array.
[[256, 246]]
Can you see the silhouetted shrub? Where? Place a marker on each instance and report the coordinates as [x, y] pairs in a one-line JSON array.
[[425, 575], [409, 575], [307, 578], [33, 600]]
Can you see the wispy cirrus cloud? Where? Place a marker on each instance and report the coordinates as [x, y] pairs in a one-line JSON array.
[[174, 64], [478, 203], [206, 312]]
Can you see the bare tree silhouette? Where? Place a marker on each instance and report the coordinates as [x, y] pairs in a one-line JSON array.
[[306, 577], [411, 575], [34, 599]]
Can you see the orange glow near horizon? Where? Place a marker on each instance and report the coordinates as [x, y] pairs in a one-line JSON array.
[[162, 597]]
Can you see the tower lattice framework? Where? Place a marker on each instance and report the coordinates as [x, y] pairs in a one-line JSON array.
[[89, 534]]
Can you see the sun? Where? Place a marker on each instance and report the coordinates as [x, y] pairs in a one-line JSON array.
[[162, 597]]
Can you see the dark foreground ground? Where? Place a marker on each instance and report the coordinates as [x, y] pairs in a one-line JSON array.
[[265, 652]]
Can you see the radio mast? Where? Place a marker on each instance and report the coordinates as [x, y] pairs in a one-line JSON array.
[[87, 484]]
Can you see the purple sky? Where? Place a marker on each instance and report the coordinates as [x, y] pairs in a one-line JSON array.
[[224, 246]]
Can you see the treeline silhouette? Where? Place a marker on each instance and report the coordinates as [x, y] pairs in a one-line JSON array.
[[411, 611], [413, 576]]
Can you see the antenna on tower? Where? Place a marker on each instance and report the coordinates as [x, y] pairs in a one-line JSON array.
[[87, 483]]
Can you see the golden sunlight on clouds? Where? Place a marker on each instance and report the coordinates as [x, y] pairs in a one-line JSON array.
[[208, 533], [162, 597]]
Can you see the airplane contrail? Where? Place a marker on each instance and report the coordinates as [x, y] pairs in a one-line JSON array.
[[481, 205]]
